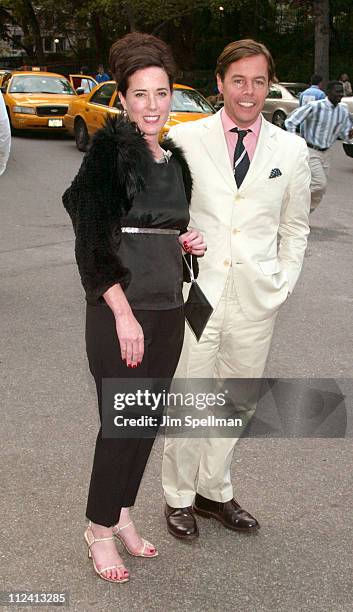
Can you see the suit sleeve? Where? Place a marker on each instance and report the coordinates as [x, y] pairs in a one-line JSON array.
[[5, 136], [87, 201], [294, 222]]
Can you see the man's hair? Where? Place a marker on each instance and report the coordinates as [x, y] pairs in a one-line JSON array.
[[239, 49], [316, 79], [136, 51], [331, 85]]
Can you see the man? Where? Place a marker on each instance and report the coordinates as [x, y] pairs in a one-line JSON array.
[[251, 186], [101, 75], [321, 123], [314, 92], [5, 136]]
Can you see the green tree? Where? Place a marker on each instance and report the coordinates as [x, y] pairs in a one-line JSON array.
[[23, 14]]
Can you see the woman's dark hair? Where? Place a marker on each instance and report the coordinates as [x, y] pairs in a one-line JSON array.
[[136, 51]]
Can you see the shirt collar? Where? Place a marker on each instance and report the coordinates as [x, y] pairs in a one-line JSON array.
[[329, 103], [228, 123]]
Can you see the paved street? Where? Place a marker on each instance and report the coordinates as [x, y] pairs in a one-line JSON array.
[[300, 490]]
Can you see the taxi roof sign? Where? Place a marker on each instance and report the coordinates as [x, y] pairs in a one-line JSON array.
[[34, 68]]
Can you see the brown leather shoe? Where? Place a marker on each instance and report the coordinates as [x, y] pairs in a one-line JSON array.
[[230, 514], [181, 522]]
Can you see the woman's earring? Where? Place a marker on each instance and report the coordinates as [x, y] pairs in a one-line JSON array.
[[125, 115]]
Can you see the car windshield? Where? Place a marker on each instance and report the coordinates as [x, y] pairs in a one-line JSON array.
[[41, 84], [295, 88], [189, 101]]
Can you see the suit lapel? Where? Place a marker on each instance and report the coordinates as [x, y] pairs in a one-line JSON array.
[[265, 147], [216, 148]]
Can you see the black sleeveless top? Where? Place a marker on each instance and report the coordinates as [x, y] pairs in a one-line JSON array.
[[155, 260]]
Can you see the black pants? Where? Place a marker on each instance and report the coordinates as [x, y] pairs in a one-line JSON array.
[[119, 463]]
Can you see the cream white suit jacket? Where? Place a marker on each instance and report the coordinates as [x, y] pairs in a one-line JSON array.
[[259, 230]]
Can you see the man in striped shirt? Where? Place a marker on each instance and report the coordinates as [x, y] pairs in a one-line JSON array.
[[321, 123]]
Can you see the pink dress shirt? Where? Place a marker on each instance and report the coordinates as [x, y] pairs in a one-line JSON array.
[[250, 139]]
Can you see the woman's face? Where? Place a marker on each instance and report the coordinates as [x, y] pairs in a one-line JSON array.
[[148, 99]]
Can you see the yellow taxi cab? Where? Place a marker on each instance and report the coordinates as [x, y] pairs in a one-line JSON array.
[[37, 99], [87, 112]]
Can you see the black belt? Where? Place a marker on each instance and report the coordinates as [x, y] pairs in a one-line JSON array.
[[316, 148]]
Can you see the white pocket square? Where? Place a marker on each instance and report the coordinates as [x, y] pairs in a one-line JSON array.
[[275, 172]]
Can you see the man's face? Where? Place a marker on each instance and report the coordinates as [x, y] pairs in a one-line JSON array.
[[244, 89], [335, 95]]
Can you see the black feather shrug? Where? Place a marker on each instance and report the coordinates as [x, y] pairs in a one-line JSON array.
[[113, 171]]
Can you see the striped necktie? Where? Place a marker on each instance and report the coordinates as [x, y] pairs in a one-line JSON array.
[[241, 161]]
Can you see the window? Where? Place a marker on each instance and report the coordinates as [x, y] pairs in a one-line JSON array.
[[104, 94], [274, 93], [40, 84], [48, 44], [16, 41], [117, 104], [190, 101], [82, 81]]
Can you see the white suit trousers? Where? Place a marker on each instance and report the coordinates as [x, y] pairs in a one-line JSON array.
[[230, 347], [319, 162]]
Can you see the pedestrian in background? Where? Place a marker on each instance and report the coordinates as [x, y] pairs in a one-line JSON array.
[[5, 136], [347, 87], [84, 70], [321, 123], [101, 75], [130, 212], [314, 92]]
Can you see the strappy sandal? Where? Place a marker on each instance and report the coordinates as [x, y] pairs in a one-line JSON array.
[[145, 543], [90, 543]]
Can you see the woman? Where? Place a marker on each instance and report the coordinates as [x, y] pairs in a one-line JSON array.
[[347, 87], [129, 209]]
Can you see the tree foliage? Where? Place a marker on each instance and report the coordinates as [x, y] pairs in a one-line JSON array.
[[196, 29]]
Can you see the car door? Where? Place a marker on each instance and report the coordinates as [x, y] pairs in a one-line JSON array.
[[97, 105], [272, 102], [82, 80]]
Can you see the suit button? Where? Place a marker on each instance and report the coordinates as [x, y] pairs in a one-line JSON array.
[[226, 263]]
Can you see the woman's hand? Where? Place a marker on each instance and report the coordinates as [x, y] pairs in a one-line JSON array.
[[128, 329], [131, 339], [193, 243]]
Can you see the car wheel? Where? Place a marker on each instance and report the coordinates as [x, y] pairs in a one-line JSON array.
[[279, 118], [81, 135]]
